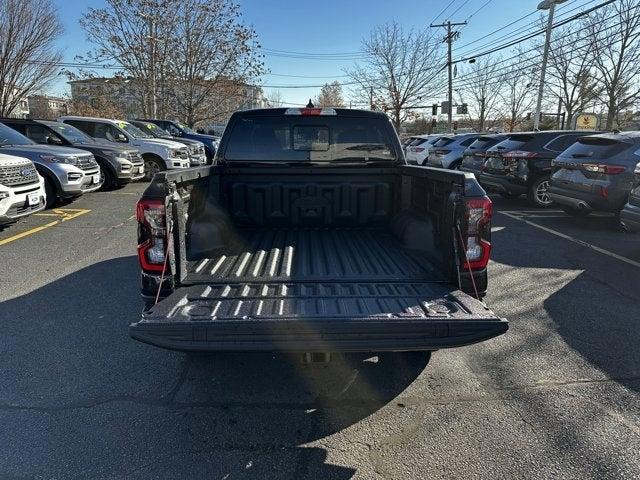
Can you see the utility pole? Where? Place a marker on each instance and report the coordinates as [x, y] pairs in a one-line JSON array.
[[371, 98], [151, 23], [451, 36], [551, 6]]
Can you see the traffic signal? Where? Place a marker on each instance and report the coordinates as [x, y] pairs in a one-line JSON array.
[[434, 109], [462, 109], [445, 107]]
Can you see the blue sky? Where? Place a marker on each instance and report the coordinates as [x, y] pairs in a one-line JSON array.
[[327, 26]]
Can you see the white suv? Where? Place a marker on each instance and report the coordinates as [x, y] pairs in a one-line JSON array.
[[158, 153], [21, 189]]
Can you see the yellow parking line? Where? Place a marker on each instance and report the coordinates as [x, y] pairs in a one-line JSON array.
[[64, 213]]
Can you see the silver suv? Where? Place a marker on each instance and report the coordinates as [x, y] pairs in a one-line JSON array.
[[21, 189], [67, 172], [448, 151]]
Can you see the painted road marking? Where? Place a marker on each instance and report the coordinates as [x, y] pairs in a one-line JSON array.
[[574, 240], [63, 214]]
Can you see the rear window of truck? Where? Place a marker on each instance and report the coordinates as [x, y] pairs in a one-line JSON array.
[[310, 139]]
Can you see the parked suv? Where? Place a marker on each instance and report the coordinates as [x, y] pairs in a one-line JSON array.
[[118, 165], [180, 130], [197, 154], [448, 150], [21, 188], [521, 164], [596, 173], [417, 151], [630, 214], [158, 154], [68, 172], [474, 155]]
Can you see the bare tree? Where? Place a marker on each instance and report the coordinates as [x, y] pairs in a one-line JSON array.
[[39, 108], [100, 107], [276, 99], [516, 93], [136, 35], [569, 71], [330, 95], [616, 49], [480, 87], [400, 70], [28, 58], [215, 57]]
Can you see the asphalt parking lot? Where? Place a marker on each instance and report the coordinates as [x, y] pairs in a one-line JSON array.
[[556, 397]]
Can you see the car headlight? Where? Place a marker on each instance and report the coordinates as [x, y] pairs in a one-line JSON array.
[[54, 159], [124, 163], [4, 195], [173, 153]]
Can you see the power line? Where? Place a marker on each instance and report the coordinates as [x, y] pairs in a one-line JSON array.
[[457, 9], [443, 10], [525, 28], [535, 34]]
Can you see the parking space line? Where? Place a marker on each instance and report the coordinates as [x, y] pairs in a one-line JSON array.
[[64, 214], [574, 240]]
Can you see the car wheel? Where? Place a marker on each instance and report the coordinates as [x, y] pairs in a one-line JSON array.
[[509, 195], [108, 180], [50, 190], [575, 212], [538, 194], [151, 167]]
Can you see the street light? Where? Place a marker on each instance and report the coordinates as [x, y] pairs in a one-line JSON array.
[[544, 5]]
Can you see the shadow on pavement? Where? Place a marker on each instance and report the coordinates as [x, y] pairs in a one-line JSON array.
[[73, 380], [591, 298]]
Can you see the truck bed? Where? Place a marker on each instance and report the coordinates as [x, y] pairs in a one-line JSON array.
[[315, 260], [370, 255]]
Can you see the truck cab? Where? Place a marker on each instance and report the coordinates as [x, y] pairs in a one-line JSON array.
[[311, 234], [158, 154]]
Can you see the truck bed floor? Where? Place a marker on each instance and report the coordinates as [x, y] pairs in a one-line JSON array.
[[314, 254]]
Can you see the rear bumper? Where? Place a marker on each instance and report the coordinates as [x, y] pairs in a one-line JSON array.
[[630, 217], [299, 335], [588, 200], [500, 183]]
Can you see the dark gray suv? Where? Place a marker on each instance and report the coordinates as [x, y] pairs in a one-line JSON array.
[[630, 214], [596, 173]]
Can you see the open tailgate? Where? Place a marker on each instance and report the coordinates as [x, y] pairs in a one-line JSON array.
[[317, 317]]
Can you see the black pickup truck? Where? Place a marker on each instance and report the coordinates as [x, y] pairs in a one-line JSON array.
[[311, 234]]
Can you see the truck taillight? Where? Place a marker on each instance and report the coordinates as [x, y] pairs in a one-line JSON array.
[[478, 244], [152, 234]]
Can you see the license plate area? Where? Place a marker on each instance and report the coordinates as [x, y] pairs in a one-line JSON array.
[[33, 199]]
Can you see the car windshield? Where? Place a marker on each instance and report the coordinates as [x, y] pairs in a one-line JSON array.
[[184, 128], [321, 139], [70, 133], [132, 130], [154, 130], [9, 137]]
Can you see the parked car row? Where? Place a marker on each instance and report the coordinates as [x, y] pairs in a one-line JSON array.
[[580, 171], [44, 162]]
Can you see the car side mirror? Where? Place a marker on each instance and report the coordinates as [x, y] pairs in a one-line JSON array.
[[121, 138], [53, 140]]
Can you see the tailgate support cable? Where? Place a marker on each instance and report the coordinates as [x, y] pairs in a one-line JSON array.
[[164, 265], [466, 258]]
